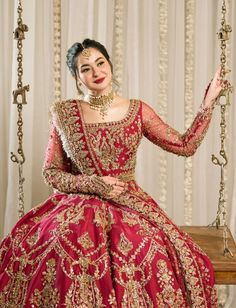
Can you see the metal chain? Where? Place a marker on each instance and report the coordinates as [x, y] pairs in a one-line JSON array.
[[223, 36], [19, 98]]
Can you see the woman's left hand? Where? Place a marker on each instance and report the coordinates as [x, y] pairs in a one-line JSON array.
[[215, 87]]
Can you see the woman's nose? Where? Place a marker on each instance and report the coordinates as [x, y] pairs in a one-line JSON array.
[[95, 71]]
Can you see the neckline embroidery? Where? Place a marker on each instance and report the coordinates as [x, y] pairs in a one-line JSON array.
[[127, 117]]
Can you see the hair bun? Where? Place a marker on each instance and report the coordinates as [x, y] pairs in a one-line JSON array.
[[72, 52]]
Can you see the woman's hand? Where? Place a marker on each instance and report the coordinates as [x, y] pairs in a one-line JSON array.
[[118, 186], [215, 87]]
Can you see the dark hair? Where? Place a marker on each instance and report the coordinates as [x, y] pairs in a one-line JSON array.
[[75, 50]]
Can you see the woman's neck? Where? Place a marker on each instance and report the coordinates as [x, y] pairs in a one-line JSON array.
[[100, 93]]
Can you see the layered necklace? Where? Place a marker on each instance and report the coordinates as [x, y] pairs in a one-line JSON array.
[[100, 103]]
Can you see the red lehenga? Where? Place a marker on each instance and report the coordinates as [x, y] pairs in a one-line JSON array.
[[79, 249]]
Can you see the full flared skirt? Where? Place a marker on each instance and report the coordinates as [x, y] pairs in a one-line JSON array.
[[82, 251]]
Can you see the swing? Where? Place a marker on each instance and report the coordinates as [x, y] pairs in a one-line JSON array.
[[221, 253], [210, 240]]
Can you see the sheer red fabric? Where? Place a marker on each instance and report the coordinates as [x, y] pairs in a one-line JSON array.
[[80, 249]]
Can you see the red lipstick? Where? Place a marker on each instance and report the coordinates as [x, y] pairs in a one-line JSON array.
[[100, 80]]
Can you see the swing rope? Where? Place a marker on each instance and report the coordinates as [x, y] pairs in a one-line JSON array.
[[221, 216], [19, 98]]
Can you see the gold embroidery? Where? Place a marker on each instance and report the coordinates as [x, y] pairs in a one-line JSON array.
[[13, 293], [49, 295], [188, 262], [31, 240], [68, 123], [124, 244], [130, 219], [85, 241], [104, 140], [135, 294], [70, 215], [21, 233], [168, 297], [112, 299], [103, 218], [83, 294], [85, 268], [160, 133]]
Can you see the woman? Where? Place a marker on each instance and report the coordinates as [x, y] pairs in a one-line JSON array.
[[100, 240]]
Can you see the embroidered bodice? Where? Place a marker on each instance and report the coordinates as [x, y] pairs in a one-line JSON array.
[[78, 150], [113, 145]]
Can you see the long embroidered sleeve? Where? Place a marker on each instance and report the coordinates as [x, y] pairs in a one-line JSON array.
[[58, 173], [168, 138]]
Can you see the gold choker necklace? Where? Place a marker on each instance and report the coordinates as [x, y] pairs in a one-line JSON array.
[[100, 103]]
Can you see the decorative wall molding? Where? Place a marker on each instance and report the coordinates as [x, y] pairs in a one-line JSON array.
[[188, 106], [163, 93], [57, 48], [118, 44]]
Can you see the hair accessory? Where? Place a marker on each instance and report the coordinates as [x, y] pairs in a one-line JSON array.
[[100, 103], [86, 52]]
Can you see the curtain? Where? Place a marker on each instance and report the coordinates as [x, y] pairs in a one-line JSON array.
[[164, 52]]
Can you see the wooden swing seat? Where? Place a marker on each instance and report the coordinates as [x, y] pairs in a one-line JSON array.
[[210, 239]]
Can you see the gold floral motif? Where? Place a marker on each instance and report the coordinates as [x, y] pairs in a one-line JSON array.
[[124, 244], [85, 241], [168, 297], [135, 294], [130, 218], [70, 215], [103, 217], [84, 293], [154, 248], [13, 294], [112, 299], [31, 240], [21, 232], [49, 295]]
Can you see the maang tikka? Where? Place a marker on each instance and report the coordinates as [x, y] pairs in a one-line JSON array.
[[86, 52]]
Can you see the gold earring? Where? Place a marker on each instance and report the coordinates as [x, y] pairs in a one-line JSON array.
[[80, 92]]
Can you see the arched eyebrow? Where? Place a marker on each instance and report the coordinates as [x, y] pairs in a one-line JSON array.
[[98, 59]]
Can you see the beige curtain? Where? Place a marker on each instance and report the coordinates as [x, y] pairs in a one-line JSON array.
[[165, 53]]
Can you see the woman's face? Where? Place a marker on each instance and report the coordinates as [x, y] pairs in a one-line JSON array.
[[94, 71]]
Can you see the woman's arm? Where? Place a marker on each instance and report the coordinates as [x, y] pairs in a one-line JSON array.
[[168, 138], [185, 144], [57, 171]]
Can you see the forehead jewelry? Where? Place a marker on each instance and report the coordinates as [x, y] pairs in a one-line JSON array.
[[86, 52]]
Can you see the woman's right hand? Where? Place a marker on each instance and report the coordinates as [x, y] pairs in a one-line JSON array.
[[118, 186], [215, 87]]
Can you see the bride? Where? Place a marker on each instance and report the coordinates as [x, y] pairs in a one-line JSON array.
[[100, 240]]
